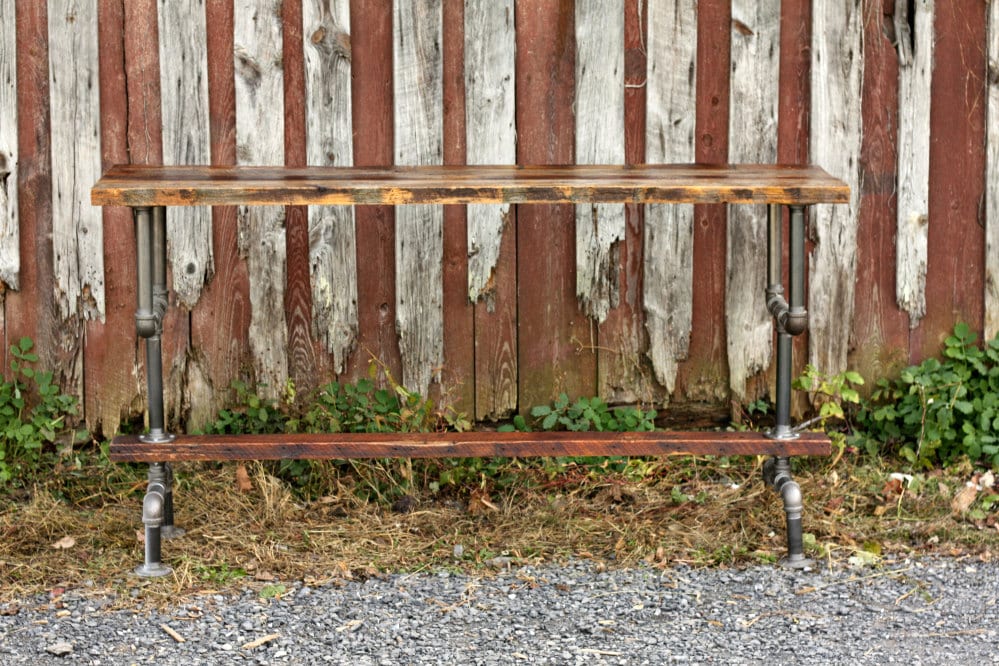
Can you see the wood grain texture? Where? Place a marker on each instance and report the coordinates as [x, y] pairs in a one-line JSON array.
[[184, 92], [880, 327], [491, 138], [457, 386], [140, 185], [992, 178], [703, 377], [555, 340], [10, 255], [258, 32], [220, 323], [836, 134], [329, 111], [464, 445], [31, 311], [915, 60], [418, 99], [671, 114], [130, 129], [371, 92], [752, 138], [955, 268], [599, 107], [490, 81], [623, 372], [308, 361], [76, 159]]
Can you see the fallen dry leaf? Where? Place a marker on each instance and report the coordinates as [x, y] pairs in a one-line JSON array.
[[243, 482], [964, 499], [64, 543]]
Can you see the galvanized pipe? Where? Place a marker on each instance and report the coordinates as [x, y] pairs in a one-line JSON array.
[[776, 304], [150, 252], [797, 318], [152, 518], [145, 318], [159, 251], [777, 473], [782, 425]]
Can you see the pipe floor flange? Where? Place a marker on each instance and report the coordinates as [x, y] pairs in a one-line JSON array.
[[152, 570], [797, 563]]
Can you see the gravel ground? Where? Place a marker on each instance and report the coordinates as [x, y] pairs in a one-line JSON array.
[[933, 611]]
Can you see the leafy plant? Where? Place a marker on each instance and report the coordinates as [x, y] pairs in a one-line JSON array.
[[33, 411], [942, 409], [592, 414]]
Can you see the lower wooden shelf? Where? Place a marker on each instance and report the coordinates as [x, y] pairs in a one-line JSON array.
[[462, 445]]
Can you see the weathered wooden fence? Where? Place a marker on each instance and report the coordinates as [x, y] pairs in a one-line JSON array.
[[496, 308]]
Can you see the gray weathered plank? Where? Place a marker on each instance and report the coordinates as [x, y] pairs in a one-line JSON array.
[[992, 178], [419, 229], [752, 139], [669, 137], [490, 125], [257, 37], [10, 263], [836, 133], [77, 227], [328, 135], [915, 73], [184, 86], [599, 140]]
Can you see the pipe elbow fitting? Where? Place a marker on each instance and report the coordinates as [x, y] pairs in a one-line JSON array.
[[796, 322], [790, 492], [153, 507], [146, 324]]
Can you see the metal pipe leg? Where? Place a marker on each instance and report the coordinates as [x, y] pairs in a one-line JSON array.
[[152, 518], [150, 252], [790, 319], [777, 473]]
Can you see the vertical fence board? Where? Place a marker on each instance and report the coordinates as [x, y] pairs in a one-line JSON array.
[[599, 107], [258, 31], [419, 229], [328, 111], [10, 263], [308, 361], [555, 339], [130, 132], [880, 327], [670, 129], [491, 136], [220, 322], [490, 46], [915, 76], [76, 159], [623, 372], [955, 269], [992, 178], [31, 311], [752, 138], [457, 387], [184, 85], [703, 377], [837, 75], [371, 93]]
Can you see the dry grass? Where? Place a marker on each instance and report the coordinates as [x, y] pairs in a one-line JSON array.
[[701, 512]]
